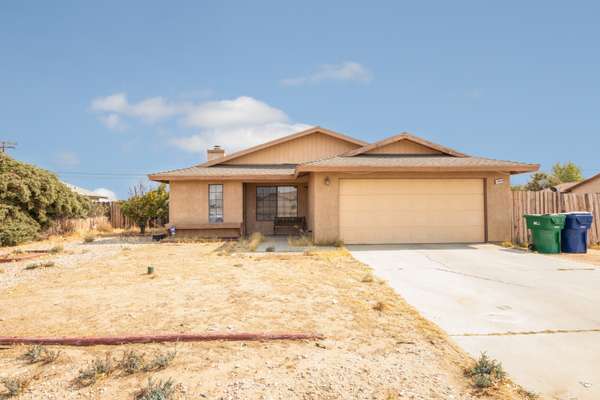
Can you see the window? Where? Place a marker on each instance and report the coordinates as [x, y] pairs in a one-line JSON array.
[[276, 201], [215, 204]]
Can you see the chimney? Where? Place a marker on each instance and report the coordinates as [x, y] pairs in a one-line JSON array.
[[215, 152]]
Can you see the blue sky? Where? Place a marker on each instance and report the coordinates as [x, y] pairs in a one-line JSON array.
[[105, 92]]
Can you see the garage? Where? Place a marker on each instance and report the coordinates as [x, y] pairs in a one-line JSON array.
[[380, 211]]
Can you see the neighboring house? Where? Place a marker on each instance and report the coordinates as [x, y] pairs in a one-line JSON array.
[[403, 189], [589, 185], [87, 193]]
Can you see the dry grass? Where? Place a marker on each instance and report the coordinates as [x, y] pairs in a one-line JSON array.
[[89, 237], [15, 385], [367, 353], [40, 354], [104, 227], [252, 243], [300, 241], [42, 264], [507, 245]]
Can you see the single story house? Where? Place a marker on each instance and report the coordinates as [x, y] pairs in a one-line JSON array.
[[589, 185], [403, 189], [87, 193]]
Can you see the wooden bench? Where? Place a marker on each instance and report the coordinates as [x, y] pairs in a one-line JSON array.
[[289, 225]]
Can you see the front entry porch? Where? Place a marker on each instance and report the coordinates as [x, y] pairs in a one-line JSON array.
[[266, 203]]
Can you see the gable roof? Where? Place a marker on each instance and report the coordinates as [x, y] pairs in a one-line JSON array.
[[573, 185], [409, 137], [421, 163], [297, 135]]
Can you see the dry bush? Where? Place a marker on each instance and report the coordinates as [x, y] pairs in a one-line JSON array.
[[38, 353], [89, 238], [104, 227], [252, 243], [96, 369], [161, 390], [15, 385], [132, 362], [379, 306], [368, 278], [160, 361], [43, 264], [299, 241], [56, 249]]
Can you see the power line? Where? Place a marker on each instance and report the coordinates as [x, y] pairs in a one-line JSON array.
[[5, 145], [102, 174]]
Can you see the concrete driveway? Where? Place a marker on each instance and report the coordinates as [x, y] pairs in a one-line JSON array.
[[539, 315]]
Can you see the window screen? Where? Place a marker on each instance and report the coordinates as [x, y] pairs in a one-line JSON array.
[[215, 204], [287, 201], [266, 203], [276, 201]]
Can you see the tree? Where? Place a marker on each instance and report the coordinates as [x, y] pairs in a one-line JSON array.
[[541, 181], [31, 199], [568, 172], [143, 206]]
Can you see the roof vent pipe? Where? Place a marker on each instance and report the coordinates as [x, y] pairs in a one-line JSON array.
[[215, 152]]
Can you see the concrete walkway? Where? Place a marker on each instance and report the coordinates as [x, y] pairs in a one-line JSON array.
[[538, 315]]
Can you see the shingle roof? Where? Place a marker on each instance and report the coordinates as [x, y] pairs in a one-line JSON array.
[[416, 162], [227, 172]]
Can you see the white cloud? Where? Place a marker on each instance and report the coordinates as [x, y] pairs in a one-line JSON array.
[[236, 138], [66, 159], [239, 112], [346, 71], [106, 192], [149, 110], [232, 123]]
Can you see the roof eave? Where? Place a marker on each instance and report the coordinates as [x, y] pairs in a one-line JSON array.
[[510, 170], [167, 179]]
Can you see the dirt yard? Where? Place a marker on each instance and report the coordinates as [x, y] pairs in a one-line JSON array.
[[591, 257], [375, 346]]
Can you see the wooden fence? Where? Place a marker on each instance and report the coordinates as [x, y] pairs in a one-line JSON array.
[[116, 217], [552, 202]]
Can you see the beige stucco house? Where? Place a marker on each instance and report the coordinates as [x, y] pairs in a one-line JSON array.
[[403, 189], [589, 185]]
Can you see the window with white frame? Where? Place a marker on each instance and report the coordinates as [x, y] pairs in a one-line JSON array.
[[215, 204]]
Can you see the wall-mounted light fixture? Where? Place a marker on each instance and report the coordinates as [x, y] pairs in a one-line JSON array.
[[327, 181]]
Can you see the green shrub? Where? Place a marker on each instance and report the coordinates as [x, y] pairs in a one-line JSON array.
[[16, 226], [486, 372]]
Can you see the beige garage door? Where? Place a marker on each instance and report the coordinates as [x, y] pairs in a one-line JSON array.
[[411, 211]]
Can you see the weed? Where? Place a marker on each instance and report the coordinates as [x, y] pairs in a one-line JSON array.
[[486, 372], [98, 368], [595, 246], [89, 238], [338, 243], [270, 249], [368, 278], [379, 306], [132, 362], [528, 394], [161, 390], [300, 241], [15, 385], [56, 249], [506, 244], [44, 264], [255, 239], [523, 245], [160, 361], [39, 353]]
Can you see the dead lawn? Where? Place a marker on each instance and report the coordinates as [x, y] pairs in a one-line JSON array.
[[102, 289]]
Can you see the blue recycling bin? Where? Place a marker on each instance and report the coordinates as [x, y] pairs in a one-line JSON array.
[[575, 233]]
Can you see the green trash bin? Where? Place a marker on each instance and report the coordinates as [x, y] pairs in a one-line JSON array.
[[545, 231]]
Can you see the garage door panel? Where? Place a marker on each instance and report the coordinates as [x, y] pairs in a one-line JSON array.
[[411, 210]]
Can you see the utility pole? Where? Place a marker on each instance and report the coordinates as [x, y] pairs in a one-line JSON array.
[[5, 145]]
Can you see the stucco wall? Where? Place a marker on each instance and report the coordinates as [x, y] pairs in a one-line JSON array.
[[188, 202], [325, 201]]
